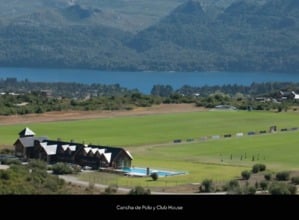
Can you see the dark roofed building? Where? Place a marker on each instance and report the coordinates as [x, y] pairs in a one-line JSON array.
[[120, 158], [104, 156], [53, 151], [65, 151], [24, 146]]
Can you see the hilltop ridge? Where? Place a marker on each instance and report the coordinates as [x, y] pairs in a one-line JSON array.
[[220, 35]]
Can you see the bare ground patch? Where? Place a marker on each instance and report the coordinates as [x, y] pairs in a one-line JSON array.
[[80, 115]]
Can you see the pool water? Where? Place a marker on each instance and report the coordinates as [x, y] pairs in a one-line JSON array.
[[140, 171]]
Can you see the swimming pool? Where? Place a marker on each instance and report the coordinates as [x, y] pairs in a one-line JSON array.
[[142, 171]]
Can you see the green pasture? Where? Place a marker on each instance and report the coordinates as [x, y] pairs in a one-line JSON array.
[[150, 140], [220, 160], [153, 129]]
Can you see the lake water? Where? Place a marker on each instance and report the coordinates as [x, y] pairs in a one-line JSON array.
[[144, 81]]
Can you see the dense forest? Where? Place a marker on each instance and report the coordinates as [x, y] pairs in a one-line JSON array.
[[242, 36]]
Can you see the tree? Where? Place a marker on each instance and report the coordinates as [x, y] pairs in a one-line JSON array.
[[155, 176], [233, 187], [258, 167], [162, 90], [206, 186], [268, 176], [283, 176], [245, 174]]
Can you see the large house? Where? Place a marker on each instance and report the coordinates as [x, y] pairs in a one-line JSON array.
[[285, 95], [28, 146]]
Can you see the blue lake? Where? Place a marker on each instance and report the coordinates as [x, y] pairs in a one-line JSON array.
[[144, 81]]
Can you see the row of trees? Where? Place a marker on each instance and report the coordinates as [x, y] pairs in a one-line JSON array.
[[31, 98], [79, 90], [38, 103]]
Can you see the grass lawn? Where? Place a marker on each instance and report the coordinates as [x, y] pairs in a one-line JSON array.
[[150, 140], [143, 130], [220, 160]]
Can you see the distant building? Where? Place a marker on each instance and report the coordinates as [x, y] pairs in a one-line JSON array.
[[263, 99], [286, 95], [296, 96], [225, 107], [52, 151]]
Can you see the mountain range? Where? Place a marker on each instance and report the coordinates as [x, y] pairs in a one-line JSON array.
[[176, 35]]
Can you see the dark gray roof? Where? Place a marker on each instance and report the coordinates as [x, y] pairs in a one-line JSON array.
[[29, 141]]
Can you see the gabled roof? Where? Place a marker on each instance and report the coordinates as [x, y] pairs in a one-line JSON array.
[[26, 132], [108, 156], [70, 147], [116, 150], [296, 96], [87, 149], [129, 154], [29, 141], [94, 151], [49, 149], [65, 147]]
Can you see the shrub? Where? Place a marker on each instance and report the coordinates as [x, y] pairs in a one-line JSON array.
[[283, 176], [293, 189], [262, 167], [76, 168], [277, 188], [139, 190], [4, 175], [233, 183], [154, 176], [251, 190], [10, 151], [37, 164], [206, 186], [111, 189], [264, 185], [258, 167], [295, 180], [255, 168], [62, 168], [11, 161], [248, 190], [245, 174], [233, 187], [268, 176]]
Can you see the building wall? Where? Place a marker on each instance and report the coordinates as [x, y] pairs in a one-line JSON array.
[[19, 150], [122, 160]]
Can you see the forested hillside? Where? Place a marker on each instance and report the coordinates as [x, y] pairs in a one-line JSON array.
[[219, 35]]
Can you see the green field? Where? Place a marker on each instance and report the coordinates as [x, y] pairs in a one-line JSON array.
[[150, 140], [143, 130]]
